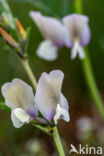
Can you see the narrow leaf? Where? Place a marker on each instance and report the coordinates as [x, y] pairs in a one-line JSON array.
[[3, 106]]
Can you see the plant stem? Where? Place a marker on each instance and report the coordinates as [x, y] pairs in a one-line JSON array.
[[56, 136], [32, 78], [87, 69], [92, 84], [29, 72], [78, 6], [44, 129], [57, 141]]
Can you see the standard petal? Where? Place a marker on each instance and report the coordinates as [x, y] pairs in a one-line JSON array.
[[9, 95], [51, 29], [47, 96], [48, 93], [85, 36], [76, 25], [47, 50], [19, 117], [61, 113], [19, 94], [56, 77], [24, 94]]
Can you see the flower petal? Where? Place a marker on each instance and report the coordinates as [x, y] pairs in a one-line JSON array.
[[19, 117], [19, 94], [17, 123], [9, 95], [45, 97], [78, 25], [77, 49], [85, 36], [61, 113], [47, 50], [48, 93], [64, 102], [51, 29], [56, 77]]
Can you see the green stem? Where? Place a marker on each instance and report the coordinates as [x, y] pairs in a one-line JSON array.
[[92, 84], [32, 78], [42, 128], [56, 136], [87, 69], [29, 72], [57, 141], [78, 6]]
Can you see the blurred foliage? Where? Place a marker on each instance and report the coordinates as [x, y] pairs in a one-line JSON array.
[[74, 86], [5, 11]]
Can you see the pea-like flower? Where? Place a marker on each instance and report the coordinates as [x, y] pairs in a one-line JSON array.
[[20, 98], [55, 34], [49, 99], [79, 33]]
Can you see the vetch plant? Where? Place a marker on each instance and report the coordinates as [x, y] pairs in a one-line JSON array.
[[49, 100], [79, 33], [78, 37], [73, 32], [47, 106], [55, 34], [20, 98], [44, 109]]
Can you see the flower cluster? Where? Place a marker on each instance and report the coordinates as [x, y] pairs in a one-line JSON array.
[[48, 100], [48, 105], [73, 32]]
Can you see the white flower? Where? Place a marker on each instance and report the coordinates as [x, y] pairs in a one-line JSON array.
[[79, 33], [20, 98], [49, 100], [55, 34]]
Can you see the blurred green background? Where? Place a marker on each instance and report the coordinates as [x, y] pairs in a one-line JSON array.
[[16, 142]]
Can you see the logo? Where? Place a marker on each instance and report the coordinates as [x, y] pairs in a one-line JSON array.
[[86, 150]]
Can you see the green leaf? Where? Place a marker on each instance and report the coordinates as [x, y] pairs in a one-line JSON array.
[[3, 106]]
